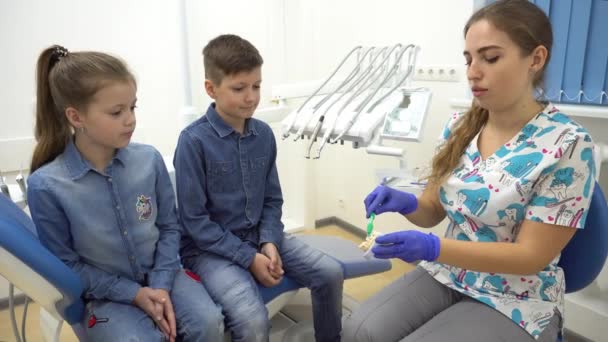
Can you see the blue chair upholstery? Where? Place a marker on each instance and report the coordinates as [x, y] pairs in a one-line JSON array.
[[287, 284], [35, 270], [585, 255]]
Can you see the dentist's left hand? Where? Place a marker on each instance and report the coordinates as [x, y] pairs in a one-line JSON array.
[[407, 245]]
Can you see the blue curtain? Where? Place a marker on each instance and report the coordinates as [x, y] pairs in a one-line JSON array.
[[578, 70]]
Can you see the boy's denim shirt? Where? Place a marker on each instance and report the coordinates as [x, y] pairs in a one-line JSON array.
[[119, 230], [228, 190]]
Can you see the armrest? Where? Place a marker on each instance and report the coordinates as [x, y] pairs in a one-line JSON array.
[[39, 273]]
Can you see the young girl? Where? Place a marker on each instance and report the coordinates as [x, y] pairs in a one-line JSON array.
[[514, 176], [106, 207]]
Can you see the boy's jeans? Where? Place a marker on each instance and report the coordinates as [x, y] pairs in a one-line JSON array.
[[197, 317], [236, 291]]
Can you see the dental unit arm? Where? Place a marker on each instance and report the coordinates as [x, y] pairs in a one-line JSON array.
[[358, 108], [373, 103]]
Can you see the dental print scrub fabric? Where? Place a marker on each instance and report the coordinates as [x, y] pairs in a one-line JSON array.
[[545, 173]]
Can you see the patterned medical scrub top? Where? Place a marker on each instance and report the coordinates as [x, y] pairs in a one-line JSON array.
[[546, 173]]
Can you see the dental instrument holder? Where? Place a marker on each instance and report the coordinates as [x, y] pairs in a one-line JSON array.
[[20, 180], [14, 192], [374, 101], [4, 187], [359, 102], [398, 178], [404, 123]]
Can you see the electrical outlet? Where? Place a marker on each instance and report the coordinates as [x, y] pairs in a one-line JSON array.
[[438, 73], [341, 203]]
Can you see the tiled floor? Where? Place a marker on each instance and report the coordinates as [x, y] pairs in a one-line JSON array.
[[358, 289]]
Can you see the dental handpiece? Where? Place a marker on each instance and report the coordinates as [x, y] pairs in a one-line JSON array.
[[4, 187], [21, 182], [314, 135]]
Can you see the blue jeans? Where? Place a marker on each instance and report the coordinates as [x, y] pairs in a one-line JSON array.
[[236, 291], [197, 317]]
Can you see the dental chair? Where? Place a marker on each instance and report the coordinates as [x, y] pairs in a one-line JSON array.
[[33, 269], [45, 279], [584, 256]]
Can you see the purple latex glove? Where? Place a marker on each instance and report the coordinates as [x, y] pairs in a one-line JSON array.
[[407, 245], [384, 199]]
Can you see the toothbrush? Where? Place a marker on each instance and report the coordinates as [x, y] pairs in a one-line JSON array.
[[370, 224], [370, 228]]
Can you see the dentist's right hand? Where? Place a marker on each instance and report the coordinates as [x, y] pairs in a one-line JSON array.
[[386, 199]]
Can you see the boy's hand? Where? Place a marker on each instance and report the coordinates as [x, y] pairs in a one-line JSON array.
[[276, 264], [260, 268]]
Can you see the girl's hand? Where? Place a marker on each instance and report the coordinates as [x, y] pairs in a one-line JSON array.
[[153, 304], [164, 301]]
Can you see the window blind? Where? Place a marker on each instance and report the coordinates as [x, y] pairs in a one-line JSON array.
[[578, 70]]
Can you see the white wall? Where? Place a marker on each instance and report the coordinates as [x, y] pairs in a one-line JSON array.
[[300, 40], [317, 41], [259, 21], [340, 180], [145, 34], [148, 35]]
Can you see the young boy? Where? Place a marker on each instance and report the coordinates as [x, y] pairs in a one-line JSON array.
[[230, 203]]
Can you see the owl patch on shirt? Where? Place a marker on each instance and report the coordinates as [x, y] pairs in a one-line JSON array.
[[144, 207]]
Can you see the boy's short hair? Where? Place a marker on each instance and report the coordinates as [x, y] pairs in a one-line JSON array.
[[229, 54]]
